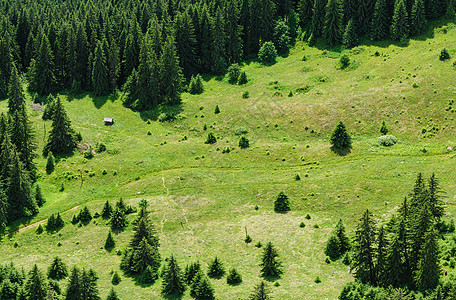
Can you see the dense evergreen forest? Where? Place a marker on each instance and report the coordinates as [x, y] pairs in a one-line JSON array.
[[151, 47]]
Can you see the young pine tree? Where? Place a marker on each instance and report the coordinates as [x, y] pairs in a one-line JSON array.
[[216, 269], [350, 37], [340, 139], [173, 282], [339, 231], [260, 292], [109, 243], [233, 277], [384, 129], [39, 199], [270, 266], [282, 203], [62, 137], [100, 78], [112, 295], [57, 270], [107, 210], [333, 247], [118, 220], [35, 287], [204, 290]]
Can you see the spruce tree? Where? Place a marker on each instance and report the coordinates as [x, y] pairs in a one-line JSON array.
[[148, 83], [380, 22], [260, 292], [107, 210], [434, 198], [281, 37], [184, 35], [383, 129], [39, 199], [61, 140], [233, 39], [50, 224], [340, 139], [112, 295], [173, 282], [421, 224], [418, 21], [380, 263], [211, 139], [35, 286], [204, 290], [50, 164], [233, 277], [399, 27], [59, 223], [6, 156], [216, 269], [22, 136], [74, 287], [49, 108], [6, 63], [3, 208], [109, 243], [84, 215], [57, 270], [145, 256], [428, 271], [42, 78], [144, 229], [332, 248], [100, 78], [190, 271], [88, 284], [394, 265], [218, 53], [20, 200], [318, 20], [118, 220], [282, 203], [171, 73], [16, 102], [332, 29], [270, 266], [350, 37], [116, 278], [364, 251], [339, 231]]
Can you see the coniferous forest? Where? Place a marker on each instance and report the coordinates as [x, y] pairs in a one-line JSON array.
[[296, 189]]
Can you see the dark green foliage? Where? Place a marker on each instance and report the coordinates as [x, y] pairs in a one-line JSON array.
[[383, 129], [233, 41], [427, 275], [59, 223], [190, 272], [184, 35], [20, 200], [121, 205], [260, 292], [248, 239], [173, 282], [84, 215], [57, 270], [399, 26], [363, 250], [340, 139], [281, 203], [380, 264], [339, 231], [318, 19], [270, 265], [49, 108], [418, 17], [350, 37], [35, 287], [434, 194], [203, 290], [216, 269], [196, 85], [54, 223], [211, 139], [39, 229], [39, 199], [82, 285], [234, 72], [171, 73], [233, 278], [380, 21], [62, 137], [444, 55], [109, 243], [244, 142], [100, 76], [333, 247], [281, 37], [118, 219], [107, 210], [112, 295], [116, 278], [148, 276], [42, 79], [332, 30], [344, 61], [16, 97], [217, 110], [267, 53], [242, 78]]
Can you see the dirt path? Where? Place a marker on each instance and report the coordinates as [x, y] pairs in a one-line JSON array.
[[36, 224]]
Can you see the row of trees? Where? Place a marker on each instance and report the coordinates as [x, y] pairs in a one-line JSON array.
[[404, 252]]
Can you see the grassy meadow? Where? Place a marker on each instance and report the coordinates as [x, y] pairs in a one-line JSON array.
[[202, 200]]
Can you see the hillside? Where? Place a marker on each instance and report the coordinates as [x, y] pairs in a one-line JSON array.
[[202, 199]]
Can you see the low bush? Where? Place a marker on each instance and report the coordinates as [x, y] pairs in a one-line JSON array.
[[387, 140]]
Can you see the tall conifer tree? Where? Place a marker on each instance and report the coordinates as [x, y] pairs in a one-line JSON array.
[[100, 78], [62, 137], [42, 76], [332, 29], [171, 73], [364, 251], [380, 24], [399, 27]]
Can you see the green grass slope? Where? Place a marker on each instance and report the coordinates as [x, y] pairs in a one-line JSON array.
[[202, 200]]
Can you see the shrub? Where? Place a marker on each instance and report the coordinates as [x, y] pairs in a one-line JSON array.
[[50, 164], [302, 224], [282, 204], [297, 177], [317, 280], [281, 37], [344, 61], [241, 131], [233, 277], [307, 217], [211, 139], [248, 239], [242, 78], [258, 245], [196, 85], [387, 140], [163, 117], [267, 53], [233, 73], [217, 110], [101, 147], [244, 143], [245, 95], [444, 55]]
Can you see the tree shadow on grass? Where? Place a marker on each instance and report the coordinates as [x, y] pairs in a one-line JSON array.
[[271, 278], [341, 152], [173, 297], [170, 110]]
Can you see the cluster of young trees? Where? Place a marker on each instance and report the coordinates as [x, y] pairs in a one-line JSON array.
[[404, 252]]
